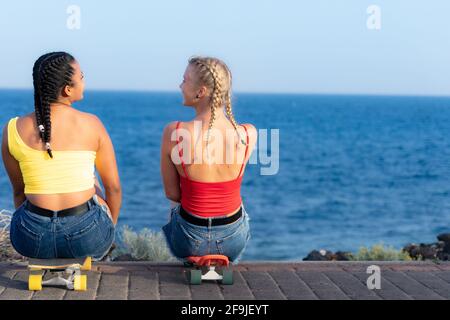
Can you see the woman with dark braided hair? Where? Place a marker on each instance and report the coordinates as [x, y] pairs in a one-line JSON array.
[[209, 216], [50, 156]]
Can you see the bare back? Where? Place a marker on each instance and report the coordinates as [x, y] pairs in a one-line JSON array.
[[226, 151], [71, 130]]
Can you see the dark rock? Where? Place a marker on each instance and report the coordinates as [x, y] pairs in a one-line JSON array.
[[343, 256], [124, 257], [433, 251], [325, 255], [425, 251], [443, 256], [322, 255], [445, 237]]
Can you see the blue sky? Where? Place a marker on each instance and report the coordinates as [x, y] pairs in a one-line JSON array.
[[271, 46]]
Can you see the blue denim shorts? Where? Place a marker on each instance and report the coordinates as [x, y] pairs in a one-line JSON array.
[[35, 236], [185, 239]]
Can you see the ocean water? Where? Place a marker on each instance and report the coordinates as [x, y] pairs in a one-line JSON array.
[[353, 170]]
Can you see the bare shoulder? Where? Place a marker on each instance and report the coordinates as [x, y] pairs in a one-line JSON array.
[[172, 125], [27, 124], [91, 121], [94, 127], [252, 132], [250, 128], [89, 118], [27, 120], [167, 140], [169, 129]]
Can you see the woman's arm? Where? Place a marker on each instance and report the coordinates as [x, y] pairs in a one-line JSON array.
[[169, 173], [252, 137], [13, 169], [106, 165]]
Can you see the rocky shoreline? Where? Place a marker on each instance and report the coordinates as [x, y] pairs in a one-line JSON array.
[[437, 251]]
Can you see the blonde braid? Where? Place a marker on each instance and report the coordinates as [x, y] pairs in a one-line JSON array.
[[217, 96], [219, 81], [231, 117]]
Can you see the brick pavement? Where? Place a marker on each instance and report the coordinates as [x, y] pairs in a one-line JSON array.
[[252, 281]]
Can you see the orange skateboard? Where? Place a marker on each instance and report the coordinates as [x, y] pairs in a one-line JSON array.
[[225, 275]]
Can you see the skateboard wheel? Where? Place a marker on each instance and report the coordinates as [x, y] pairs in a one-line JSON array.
[[87, 264], [196, 277], [80, 283], [35, 282], [227, 277]]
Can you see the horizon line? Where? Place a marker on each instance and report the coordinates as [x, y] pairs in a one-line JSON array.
[[257, 92]]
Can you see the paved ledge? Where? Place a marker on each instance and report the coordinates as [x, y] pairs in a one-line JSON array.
[[252, 281]]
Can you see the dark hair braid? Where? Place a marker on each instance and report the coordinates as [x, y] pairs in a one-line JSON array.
[[51, 73]]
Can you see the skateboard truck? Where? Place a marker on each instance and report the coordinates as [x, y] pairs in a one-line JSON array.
[[38, 268], [211, 262]]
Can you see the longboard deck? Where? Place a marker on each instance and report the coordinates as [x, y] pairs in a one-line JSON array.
[[56, 264], [38, 268], [208, 260]]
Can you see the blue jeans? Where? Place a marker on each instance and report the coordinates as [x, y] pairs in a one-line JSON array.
[[185, 239], [90, 234]]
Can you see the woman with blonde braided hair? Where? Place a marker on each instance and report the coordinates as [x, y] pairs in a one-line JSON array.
[[50, 156], [209, 216]]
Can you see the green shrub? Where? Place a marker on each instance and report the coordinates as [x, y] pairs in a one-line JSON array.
[[147, 245], [379, 252]]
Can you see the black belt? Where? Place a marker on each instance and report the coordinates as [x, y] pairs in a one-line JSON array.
[[81, 209], [214, 221]]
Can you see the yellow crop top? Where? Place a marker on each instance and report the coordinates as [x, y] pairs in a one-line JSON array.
[[68, 171]]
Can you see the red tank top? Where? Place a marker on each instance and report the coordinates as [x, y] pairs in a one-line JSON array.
[[210, 199]]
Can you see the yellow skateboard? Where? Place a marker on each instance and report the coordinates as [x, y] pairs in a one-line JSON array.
[[76, 281]]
